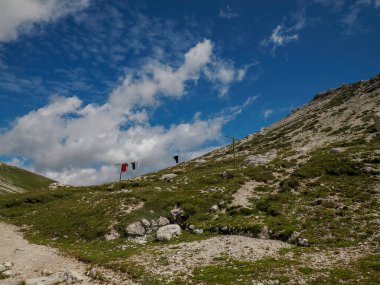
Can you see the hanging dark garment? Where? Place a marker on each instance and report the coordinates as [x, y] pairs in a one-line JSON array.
[[133, 165], [176, 157], [124, 167]]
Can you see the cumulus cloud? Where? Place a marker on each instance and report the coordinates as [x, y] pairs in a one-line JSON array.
[[79, 144], [227, 13], [141, 89], [21, 16]]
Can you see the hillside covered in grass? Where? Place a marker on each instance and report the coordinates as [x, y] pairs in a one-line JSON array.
[[14, 180], [310, 181]]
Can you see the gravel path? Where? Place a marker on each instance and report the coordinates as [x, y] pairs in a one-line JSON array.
[[242, 196], [30, 259]]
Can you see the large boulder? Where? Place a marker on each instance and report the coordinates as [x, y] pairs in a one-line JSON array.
[[376, 118], [260, 159], [135, 229], [167, 232]]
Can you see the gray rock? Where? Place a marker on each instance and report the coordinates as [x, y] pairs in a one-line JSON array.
[[337, 150], [7, 273], [93, 273], [264, 233], [46, 272], [145, 223], [56, 185], [8, 265], [260, 159], [303, 242], [214, 208], [167, 232], [2, 268], [371, 170], [162, 221], [198, 231], [294, 237], [177, 214], [43, 281], [226, 175], [72, 277], [376, 118], [135, 229], [168, 177]]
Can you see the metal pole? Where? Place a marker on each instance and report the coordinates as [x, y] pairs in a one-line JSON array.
[[120, 174], [233, 148]]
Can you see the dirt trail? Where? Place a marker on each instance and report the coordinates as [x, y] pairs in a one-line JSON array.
[[30, 259]]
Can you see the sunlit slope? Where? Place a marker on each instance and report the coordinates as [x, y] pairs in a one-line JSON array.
[[14, 180]]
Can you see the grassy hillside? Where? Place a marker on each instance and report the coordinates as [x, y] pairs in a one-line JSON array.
[[14, 179], [321, 179]]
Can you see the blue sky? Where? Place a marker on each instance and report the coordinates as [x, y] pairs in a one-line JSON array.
[[87, 84]]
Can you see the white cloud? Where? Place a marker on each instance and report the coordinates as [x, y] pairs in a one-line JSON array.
[[21, 16], [143, 88], [267, 113], [78, 144], [282, 35], [227, 13], [335, 5], [223, 74], [351, 22]]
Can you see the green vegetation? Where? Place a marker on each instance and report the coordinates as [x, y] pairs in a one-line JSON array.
[[11, 176]]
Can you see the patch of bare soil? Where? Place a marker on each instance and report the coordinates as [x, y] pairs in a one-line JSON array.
[[184, 257]]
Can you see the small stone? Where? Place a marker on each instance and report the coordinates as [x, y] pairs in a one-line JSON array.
[[168, 177], [72, 276], [191, 227], [145, 223], [214, 208], [303, 242], [198, 231], [177, 214], [162, 221], [337, 150], [264, 233], [7, 273], [226, 175], [293, 237], [46, 272], [2, 268], [92, 273], [8, 265]]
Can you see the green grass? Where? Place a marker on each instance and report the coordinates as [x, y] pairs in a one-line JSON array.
[[24, 179]]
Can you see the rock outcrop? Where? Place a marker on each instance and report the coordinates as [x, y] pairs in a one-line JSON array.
[[260, 159]]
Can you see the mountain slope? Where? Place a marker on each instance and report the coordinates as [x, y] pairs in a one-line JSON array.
[[309, 183], [15, 180]]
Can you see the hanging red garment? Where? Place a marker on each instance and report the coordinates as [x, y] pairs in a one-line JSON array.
[[124, 167]]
